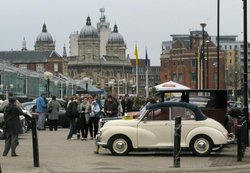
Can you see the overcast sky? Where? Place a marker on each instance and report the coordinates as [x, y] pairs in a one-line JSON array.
[[147, 22]]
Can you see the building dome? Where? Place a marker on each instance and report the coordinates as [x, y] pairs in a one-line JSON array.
[[44, 36], [88, 31], [115, 37]]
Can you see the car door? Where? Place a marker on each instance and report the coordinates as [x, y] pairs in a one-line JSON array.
[[188, 122], [154, 131]]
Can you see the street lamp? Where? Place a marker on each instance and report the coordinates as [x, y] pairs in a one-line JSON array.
[[202, 57], [47, 76], [235, 84], [111, 83], [6, 88], [56, 84], [86, 81], [207, 42]]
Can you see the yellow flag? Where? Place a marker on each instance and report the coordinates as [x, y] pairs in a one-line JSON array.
[[136, 54]]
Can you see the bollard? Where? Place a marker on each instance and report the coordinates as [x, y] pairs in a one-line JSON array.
[[239, 144], [35, 143], [177, 142]]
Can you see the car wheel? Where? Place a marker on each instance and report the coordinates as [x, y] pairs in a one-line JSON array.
[[26, 125], [201, 145], [120, 145]]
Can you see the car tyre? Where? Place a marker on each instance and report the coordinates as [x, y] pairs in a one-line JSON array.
[[201, 145], [120, 145]]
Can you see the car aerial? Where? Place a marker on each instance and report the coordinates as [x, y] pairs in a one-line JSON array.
[[154, 129], [62, 121]]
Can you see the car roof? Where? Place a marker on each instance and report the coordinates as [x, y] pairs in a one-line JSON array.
[[171, 103]]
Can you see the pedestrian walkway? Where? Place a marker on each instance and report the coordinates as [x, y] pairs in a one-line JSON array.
[[58, 155]]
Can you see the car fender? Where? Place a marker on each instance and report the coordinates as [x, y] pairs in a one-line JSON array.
[[216, 135], [130, 132]]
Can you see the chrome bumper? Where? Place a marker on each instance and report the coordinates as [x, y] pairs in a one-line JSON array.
[[231, 139]]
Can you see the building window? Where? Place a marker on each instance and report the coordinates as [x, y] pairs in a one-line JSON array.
[[174, 77], [230, 47], [55, 67], [39, 67], [165, 77], [225, 47], [23, 66]]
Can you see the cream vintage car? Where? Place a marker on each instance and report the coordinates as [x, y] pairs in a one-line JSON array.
[[154, 129]]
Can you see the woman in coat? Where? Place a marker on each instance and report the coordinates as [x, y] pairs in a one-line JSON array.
[[53, 109], [13, 126]]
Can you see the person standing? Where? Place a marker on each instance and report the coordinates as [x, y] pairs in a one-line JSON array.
[[110, 107], [127, 104], [72, 113], [85, 109], [13, 126], [53, 109], [94, 118], [41, 110]]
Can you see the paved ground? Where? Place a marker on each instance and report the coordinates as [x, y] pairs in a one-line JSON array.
[[58, 155]]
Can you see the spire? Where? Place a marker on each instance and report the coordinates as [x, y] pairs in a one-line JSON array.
[[24, 45], [64, 51], [115, 28], [88, 21], [44, 28]]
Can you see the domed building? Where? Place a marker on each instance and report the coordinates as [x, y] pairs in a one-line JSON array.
[[44, 41], [89, 43], [99, 54]]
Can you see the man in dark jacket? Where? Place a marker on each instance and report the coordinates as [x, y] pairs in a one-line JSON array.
[[72, 115], [13, 126], [110, 107], [127, 104]]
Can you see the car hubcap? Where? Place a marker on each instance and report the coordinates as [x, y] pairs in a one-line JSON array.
[[120, 145], [201, 145]]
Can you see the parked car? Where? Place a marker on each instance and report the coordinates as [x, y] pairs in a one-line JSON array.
[[63, 121], [154, 129]]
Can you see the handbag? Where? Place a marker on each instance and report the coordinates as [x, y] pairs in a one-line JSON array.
[[49, 109]]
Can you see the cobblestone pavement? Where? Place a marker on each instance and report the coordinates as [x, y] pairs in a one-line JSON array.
[[58, 155]]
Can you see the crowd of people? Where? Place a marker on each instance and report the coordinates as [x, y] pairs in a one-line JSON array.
[[83, 113]]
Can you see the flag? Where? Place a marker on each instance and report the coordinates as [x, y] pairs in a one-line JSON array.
[[146, 59], [136, 54]]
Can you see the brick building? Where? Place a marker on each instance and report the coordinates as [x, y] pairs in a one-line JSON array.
[[179, 61]]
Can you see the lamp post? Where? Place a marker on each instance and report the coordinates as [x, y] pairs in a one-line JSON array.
[[6, 88], [207, 42], [56, 84], [111, 83], [48, 76], [202, 57], [235, 84], [245, 77], [86, 81]]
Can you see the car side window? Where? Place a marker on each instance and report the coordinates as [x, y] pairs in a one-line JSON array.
[[184, 113], [159, 114]]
